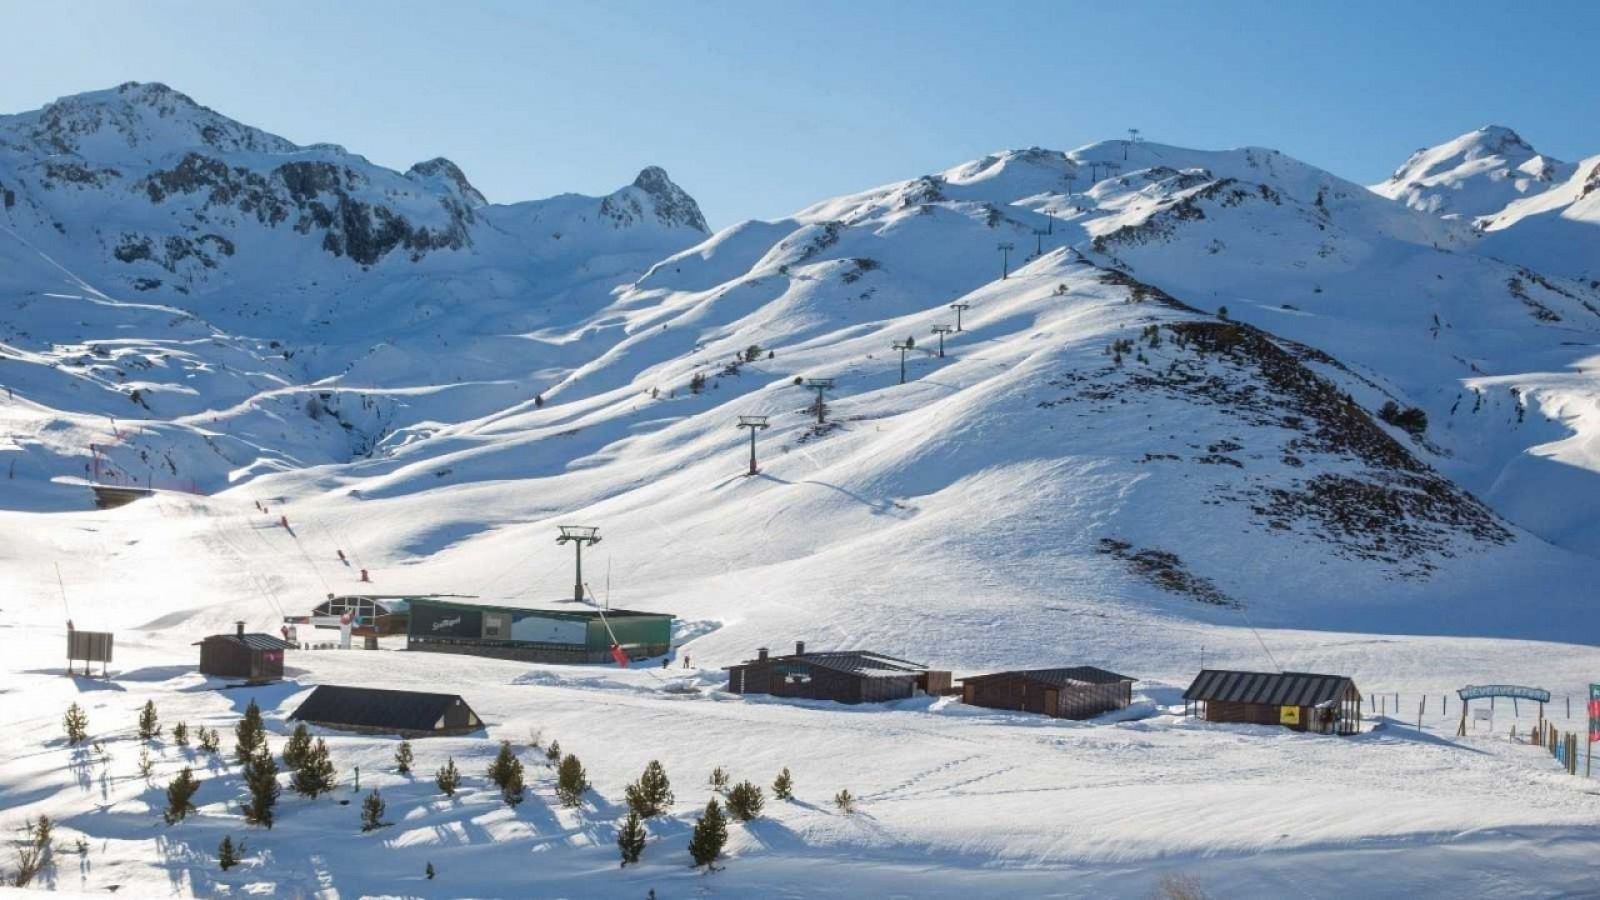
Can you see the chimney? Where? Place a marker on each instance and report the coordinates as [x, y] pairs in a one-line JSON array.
[[799, 648], [239, 628], [761, 653]]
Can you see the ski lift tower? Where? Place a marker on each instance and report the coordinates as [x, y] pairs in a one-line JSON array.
[[578, 535], [941, 331], [755, 424], [820, 385], [959, 308]]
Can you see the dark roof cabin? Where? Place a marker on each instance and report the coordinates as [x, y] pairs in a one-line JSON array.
[[845, 676], [255, 657], [1325, 704], [380, 711], [1080, 692]]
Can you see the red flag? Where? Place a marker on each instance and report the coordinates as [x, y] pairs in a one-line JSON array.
[[619, 656]]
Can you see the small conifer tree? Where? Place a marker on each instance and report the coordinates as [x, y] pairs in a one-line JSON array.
[[315, 775], [210, 741], [403, 758], [251, 734], [630, 838], [261, 777], [719, 779], [745, 801], [180, 796], [372, 811], [180, 734], [710, 835], [783, 785], [651, 795], [146, 764], [845, 801], [429, 871], [506, 773], [227, 854], [571, 781], [297, 748], [448, 778], [553, 752], [77, 723], [149, 722]]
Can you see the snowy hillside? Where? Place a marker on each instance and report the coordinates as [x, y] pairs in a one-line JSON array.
[[1222, 406]]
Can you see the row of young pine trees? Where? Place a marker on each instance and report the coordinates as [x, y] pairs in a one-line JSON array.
[[312, 774]]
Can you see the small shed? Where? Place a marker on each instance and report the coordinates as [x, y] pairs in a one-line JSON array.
[[255, 657], [1079, 692], [383, 711], [1302, 701], [844, 676]]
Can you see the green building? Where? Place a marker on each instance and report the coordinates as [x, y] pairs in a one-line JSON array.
[[575, 634]]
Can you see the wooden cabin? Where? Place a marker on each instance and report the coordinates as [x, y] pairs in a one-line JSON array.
[[255, 657], [381, 711], [1080, 692], [1302, 701], [847, 676]]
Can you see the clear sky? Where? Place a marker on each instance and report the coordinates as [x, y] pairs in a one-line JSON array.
[[760, 108]]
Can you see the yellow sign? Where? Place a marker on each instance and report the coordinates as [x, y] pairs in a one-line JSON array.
[[1288, 715]]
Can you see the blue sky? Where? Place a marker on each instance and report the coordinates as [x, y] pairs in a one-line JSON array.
[[759, 108]]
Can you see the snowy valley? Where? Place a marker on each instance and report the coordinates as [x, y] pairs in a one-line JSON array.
[[1200, 408]]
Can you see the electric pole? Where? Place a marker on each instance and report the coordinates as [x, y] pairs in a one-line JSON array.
[[755, 424], [1050, 222], [958, 307], [1071, 181], [1005, 249], [1133, 138], [578, 535], [941, 331], [903, 346], [1038, 242], [820, 385]]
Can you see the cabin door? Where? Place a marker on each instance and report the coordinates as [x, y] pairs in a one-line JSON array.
[[1052, 701]]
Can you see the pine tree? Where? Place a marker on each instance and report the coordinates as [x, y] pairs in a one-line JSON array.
[[261, 777], [745, 801], [251, 734], [630, 838], [180, 796], [845, 801], [77, 723], [709, 836], [403, 758], [428, 871], [554, 752], [719, 780], [146, 764], [180, 734], [315, 775], [571, 781], [372, 812], [149, 722], [227, 855], [297, 748], [783, 786], [651, 795], [506, 773], [210, 741], [448, 778]]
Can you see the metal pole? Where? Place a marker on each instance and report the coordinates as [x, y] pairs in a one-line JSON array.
[[577, 586], [752, 451]]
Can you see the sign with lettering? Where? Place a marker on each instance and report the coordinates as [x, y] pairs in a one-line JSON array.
[[1484, 691], [1288, 715], [1594, 713]]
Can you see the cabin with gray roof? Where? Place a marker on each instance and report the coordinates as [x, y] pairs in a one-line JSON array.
[[843, 676], [1078, 692], [1302, 701]]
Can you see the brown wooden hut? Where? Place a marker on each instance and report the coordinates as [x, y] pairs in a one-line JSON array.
[[381, 711], [1080, 692], [844, 676], [255, 657], [1325, 704]]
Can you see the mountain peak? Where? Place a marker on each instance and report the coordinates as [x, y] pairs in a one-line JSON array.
[[448, 176], [110, 125], [1472, 175], [673, 205]]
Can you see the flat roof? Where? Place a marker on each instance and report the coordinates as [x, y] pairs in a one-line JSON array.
[[554, 609]]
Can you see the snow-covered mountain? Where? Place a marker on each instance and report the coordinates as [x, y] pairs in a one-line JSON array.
[[1531, 209], [1202, 407]]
